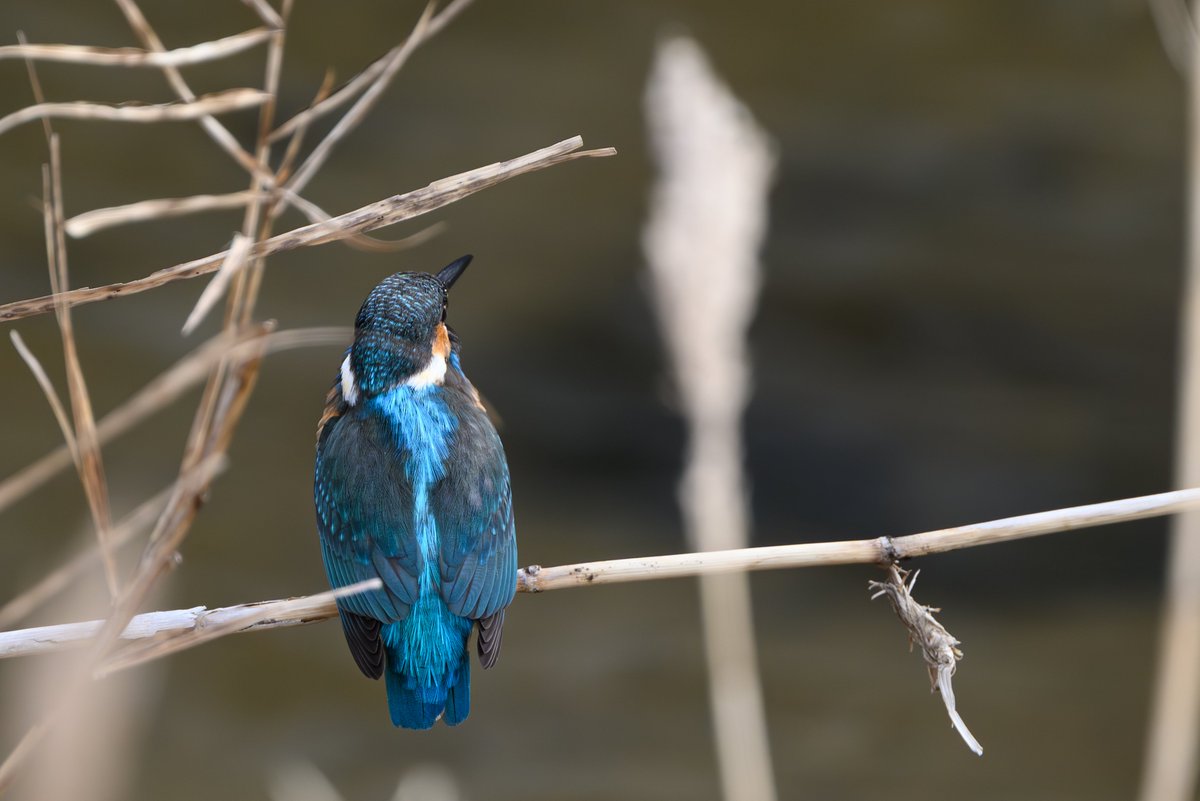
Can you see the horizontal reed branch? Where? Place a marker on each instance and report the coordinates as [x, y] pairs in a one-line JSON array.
[[136, 56], [881, 551], [218, 103]]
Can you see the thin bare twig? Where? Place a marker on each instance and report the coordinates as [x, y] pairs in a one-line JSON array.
[[90, 462], [881, 551], [219, 103], [256, 225], [368, 218], [136, 57], [89, 222], [938, 646], [56, 406]]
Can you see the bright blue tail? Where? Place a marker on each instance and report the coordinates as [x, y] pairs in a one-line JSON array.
[[415, 707], [428, 670]]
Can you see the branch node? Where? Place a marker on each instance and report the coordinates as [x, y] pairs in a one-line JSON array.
[[527, 578], [889, 554]]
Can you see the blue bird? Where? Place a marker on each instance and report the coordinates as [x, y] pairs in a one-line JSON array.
[[412, 487]]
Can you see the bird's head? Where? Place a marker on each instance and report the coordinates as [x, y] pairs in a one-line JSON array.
[[400, 334]]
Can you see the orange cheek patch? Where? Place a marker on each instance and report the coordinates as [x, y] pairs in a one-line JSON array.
[[441, 342]]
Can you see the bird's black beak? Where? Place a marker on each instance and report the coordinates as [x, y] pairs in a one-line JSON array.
[[450, 273]]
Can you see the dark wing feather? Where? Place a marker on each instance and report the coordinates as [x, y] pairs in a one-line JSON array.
[[491, 632], [473, 505], [366, 646], [364, 504]]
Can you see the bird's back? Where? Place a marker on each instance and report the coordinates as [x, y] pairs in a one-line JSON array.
[[412, 486]]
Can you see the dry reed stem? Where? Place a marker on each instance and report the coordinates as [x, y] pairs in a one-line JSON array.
[[89, 222], [1176, 32], [161, 391], [1173, 731], [533, 579], [90, 462], [706, 226], [136, 57], [56, 406], [218, 103], [389, 211], [370, 75], [257, 223], [938, 646]]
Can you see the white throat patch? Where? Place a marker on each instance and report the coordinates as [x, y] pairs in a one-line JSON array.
[[432, 374], [349, 385]]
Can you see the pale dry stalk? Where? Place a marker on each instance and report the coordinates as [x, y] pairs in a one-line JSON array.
[[707, 225], [201, 107], [1169, 772], [135, 57]]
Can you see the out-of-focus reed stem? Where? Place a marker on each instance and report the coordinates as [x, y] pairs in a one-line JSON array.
[[706, 227], [1169, 773]]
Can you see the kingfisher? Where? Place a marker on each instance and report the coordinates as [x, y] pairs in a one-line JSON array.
[[412, 487]]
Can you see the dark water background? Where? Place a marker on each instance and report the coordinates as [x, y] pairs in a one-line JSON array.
[[969, 311]]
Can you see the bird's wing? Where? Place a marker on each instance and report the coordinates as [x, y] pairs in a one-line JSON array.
[[473, 506], [364, 504]]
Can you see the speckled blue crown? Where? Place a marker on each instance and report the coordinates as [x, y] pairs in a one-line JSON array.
[[394, 330]]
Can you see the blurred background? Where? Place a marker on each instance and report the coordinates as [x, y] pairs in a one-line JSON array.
[[969, 311]]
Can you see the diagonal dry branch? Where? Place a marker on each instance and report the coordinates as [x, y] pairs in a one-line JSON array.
[[368, 218], [136, 57], [533, 579], [218, 103]]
